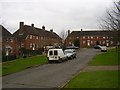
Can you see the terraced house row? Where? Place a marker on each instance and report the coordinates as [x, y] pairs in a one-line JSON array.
[[91, 38], [29, 38]]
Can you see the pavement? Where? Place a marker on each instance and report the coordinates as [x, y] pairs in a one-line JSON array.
[[49, 75]]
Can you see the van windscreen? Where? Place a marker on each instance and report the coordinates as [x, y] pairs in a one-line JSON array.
[[55, 52], [51, 53]]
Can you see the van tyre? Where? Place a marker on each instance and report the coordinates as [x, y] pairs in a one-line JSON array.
[[50, 61]]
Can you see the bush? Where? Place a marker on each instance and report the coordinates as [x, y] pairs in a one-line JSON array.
[[8, 58]]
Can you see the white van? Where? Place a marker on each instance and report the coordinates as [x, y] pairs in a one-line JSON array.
[[56, 55]]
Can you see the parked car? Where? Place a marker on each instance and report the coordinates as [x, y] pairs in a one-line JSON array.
[[97, 47], [103, 49], [56, 55], [70, 53]]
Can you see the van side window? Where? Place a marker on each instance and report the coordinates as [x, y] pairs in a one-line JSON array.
[[51, 53], [55, 52]]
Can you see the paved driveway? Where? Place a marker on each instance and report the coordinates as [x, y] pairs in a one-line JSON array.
[[49, 75]]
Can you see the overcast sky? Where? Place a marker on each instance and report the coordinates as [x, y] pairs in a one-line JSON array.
[[57, 14]]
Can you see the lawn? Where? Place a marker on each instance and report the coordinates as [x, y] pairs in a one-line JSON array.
[[95, 79], [106, 58], [22, 63]]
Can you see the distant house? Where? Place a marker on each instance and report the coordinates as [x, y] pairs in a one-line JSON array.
[[9, 43], [32, 38], [90, 38]]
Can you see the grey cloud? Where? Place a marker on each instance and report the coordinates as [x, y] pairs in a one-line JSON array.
[[56, 14]]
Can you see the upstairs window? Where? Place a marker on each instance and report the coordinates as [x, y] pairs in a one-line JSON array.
[[36, 37], [83, 37], [103, 37], [11, 40], [91, 37], [31, 36]]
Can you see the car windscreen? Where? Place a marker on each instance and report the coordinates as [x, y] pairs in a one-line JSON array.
[[68, 52], [55, 52]]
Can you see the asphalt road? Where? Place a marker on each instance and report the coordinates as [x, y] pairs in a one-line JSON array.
[[49, 75]]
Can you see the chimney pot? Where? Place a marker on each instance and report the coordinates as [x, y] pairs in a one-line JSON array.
[[43, 27], [81, 30], [32, 25]]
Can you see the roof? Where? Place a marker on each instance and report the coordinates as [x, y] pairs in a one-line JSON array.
[[29, 30], [5, 32], [90, 33]]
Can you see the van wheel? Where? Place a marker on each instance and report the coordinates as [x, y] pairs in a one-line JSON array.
[[50, 62]]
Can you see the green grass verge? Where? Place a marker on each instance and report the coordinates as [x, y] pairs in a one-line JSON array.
[[106, 58], [22, 63], [95, 79]]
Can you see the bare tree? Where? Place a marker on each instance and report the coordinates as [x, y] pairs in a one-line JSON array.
[[63, 34], [112, 21]]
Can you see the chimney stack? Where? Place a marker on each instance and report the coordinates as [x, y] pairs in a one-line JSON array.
[[68, 32], [81, 30], [32, 25], [21, 24], [51, 30], [43, 27]]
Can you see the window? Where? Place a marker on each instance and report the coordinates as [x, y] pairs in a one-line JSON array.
[[55, 52], [83, 37], [11, 40], [91, 42], [22, 44], [41, 38], [103, 42], [30, 36], [84, 42], [107, 40], [91, 37], [51, 53], [77, 37], [103, 37], [70, 43], [97, 37], [7, 40], [88, 37], [31, 45], [36, 37], [111, 42]]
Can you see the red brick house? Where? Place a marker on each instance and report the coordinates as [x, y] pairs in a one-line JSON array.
[[90, 38], [32, 38], [9, 43]]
